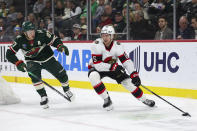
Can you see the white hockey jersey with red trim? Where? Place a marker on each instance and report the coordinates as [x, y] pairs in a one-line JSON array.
[[103, 57]]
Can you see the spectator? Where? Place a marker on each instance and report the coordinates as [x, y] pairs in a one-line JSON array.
[[67, 10], [20, 18], [49, 25], [42, 25], [31, 17], [94, 6], [97, 35], [119, 23], [141, 29], [75, 9], [9, 30], [83, 20], [190, 9], [194, 25], [105, 20], [184, 31], [17, 31], [3, 10], [59, 9], [12, 13], [97, 16], [2, 23], [118, 5], [8, 2], [46, 12], [3, 36], [108, 11], [77, 32], [38, 7], [64, 35], [137, 7], [99, 10], [83, 32], [164, 32], [71, 11]]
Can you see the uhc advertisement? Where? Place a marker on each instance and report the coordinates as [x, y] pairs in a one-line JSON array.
[[160, 64]]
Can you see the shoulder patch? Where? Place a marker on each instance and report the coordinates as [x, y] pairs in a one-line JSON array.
[[96, 42], [118, 43]]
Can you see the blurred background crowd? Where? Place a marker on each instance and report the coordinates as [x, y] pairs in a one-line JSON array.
[[132, 19]]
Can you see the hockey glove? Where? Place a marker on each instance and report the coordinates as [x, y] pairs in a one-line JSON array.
[[63, 48], [20, 65], [135, 78]]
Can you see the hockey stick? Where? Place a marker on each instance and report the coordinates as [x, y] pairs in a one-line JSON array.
[[49, 86], [184, 113]]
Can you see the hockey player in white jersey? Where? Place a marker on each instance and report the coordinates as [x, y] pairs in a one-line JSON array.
[[105, 54]]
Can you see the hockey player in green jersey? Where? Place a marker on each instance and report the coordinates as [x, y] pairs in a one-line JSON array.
[[35, 45]]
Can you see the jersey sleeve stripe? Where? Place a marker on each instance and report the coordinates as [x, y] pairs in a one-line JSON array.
[[51, 42], [12, 49], [123, 58], [97, 62], [96, 58], [96, 55]]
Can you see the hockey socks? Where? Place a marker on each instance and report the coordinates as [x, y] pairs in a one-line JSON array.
[[101, 90], [137, 93], [42, 92]]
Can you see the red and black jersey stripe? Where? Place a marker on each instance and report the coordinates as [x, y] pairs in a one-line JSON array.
[[96, 58], [124, 57]]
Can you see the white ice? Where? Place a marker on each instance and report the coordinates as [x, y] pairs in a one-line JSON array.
[[86, 113]]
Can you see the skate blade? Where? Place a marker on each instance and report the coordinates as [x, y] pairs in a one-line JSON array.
[[45, 106], [109, 108]]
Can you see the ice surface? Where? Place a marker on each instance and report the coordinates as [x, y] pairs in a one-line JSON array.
[[86, 113]]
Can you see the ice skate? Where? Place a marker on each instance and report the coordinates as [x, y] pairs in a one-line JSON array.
[[149, 103], [44, 102], [108, 104], [70, 95]]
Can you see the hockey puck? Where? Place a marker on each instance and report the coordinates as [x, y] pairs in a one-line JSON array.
[[186, 114]]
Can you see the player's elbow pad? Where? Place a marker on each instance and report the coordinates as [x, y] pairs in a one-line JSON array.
[[10, 56]]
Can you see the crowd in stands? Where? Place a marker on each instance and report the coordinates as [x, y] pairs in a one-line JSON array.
[[149, 19]]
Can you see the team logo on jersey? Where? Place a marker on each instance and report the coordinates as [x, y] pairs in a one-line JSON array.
[[135, 57]]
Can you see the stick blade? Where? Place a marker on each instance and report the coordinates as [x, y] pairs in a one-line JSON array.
[[186, 114]]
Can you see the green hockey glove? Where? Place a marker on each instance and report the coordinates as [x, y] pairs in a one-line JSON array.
[[20, 65], [63, 48]]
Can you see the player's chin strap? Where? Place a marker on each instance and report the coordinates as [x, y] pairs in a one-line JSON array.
[[30, 73], [184, 113]]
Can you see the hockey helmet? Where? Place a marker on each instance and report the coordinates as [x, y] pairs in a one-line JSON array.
[[27, 25], [108, 29]]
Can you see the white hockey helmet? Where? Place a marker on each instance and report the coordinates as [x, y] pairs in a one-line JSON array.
[[108, 29]]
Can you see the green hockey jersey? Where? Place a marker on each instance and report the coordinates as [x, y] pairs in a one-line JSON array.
[[37, 50]]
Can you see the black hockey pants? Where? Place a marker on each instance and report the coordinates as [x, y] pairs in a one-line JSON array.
[[52, 66]]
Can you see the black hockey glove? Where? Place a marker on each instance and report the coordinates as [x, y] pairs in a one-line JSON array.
[[20, 65], [135, 78], [63, 48]]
